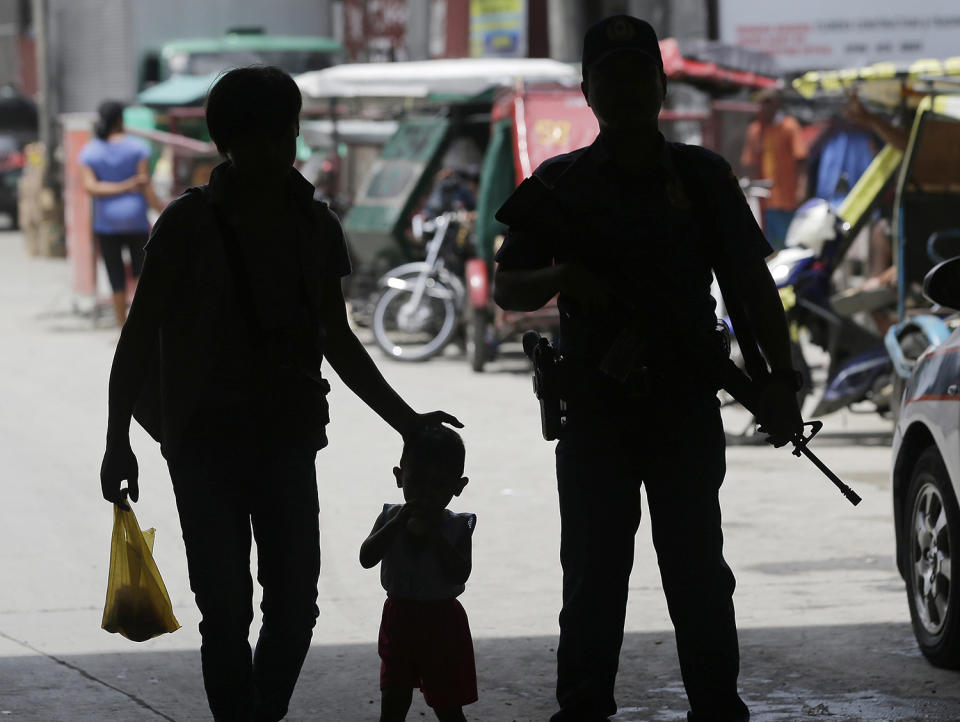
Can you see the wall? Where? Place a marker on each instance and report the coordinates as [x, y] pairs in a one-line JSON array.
[[9, 42], [158, 22], [569, 19], [90, 53], [97, 46]]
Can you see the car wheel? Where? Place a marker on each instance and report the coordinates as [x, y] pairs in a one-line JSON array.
[[932, 532]]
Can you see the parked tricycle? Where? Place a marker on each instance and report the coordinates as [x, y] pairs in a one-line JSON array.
[[870, 360]]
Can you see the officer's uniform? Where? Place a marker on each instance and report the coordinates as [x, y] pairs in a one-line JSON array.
[[654, 238]]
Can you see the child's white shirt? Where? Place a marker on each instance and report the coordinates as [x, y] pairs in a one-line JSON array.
[[413, 571]]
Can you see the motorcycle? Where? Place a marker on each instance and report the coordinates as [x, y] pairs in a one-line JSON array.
[[860, 368], [421, 304]]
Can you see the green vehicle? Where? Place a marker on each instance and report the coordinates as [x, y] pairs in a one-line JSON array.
[[442, 109], [176, 80], [183, 70]]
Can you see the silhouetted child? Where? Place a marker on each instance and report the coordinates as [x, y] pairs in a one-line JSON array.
[[424, 554]]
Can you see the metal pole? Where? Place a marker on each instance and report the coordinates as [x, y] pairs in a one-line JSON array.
[[566, 23], [45, 105], [713, 20]]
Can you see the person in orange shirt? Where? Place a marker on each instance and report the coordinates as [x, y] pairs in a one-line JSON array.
[[774, 150]]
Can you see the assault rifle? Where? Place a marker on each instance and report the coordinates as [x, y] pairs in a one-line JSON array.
[[548, 382], [561, 209]]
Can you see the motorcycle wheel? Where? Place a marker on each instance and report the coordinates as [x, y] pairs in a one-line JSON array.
[[477, 338], [932, 532], [425, 335]]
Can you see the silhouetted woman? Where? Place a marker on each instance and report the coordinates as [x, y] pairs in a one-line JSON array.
[[114, 168], [240, 301]]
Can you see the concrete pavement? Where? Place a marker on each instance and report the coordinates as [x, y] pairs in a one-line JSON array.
[[825, 628]]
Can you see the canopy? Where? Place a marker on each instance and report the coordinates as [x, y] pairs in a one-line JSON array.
[[690, 68], [944, 105], [463, 78], [350, 130], [253, 41], [458, 78], [178, 90], [883, 82]]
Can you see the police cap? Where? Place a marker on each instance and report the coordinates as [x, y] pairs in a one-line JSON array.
[[620, 33]]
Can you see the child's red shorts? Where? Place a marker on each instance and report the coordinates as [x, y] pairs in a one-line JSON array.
[[428, 645]]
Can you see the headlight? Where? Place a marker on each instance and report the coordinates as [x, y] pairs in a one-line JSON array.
[[780, 272]]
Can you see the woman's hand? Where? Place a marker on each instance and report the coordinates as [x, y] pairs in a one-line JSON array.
[[137, 182], [119, 463], [433, 418]]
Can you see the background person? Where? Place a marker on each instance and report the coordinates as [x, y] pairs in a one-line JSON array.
[[115, 172], [879, 272], [774, 150]]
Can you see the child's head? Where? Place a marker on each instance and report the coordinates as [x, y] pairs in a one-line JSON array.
[[431, 466], [253, 118]]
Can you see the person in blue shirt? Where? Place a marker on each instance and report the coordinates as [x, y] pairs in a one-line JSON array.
[[115, 173]]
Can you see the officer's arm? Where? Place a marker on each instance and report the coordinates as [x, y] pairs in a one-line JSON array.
[[526, 290], [764, 309], [526, 277]]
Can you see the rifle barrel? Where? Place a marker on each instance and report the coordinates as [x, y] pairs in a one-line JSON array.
[[851, 495], [742, 389]]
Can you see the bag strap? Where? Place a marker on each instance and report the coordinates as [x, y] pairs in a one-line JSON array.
[[241, 280], [244, 294], [753, 359]]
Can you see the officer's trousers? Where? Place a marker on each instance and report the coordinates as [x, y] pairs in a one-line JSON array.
[[676, 448]]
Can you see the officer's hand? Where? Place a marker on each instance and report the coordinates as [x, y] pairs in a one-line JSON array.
[[119, 464], [591, 291], [778, 413]]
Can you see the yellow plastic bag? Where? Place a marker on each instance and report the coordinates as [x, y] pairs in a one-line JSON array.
[[137, 606]]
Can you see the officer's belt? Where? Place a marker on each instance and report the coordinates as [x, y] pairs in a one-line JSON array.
[[584, 384]]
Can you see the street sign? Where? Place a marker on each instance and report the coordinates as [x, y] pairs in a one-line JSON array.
[[498, 28]]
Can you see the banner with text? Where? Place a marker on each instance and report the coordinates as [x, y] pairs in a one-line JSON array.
[[821, 34]]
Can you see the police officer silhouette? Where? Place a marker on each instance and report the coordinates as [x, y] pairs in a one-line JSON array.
[[627, 236]]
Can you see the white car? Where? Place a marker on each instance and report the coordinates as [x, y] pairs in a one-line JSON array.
[[926, 484]]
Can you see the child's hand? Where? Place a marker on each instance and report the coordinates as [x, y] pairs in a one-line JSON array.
[[413, 519], [400, 514], [424, 520], [417, 526]]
